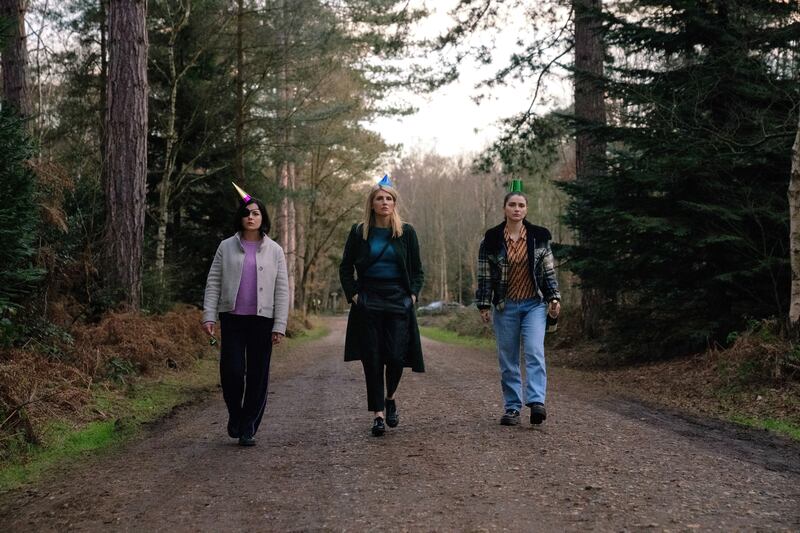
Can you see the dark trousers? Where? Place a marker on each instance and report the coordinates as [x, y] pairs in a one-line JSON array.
[[244, 368], [384, 341]]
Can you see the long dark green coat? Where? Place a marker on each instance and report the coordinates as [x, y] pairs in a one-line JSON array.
[[354, 259]]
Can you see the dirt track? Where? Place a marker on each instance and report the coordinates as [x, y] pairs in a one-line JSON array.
[[599, 463]]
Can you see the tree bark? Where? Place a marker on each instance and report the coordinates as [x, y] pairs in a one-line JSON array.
[[291, 244], [794, 232], [287, 235], [238, 163], [441, 241], [590, 111], [283, 216], [303, 230], [103, 89], [126, 149], [170, 150], [15, 57]]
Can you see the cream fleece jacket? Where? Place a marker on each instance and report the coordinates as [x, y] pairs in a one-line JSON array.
[[222, 283]]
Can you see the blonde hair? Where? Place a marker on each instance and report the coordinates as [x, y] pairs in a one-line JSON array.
[[369, 214]]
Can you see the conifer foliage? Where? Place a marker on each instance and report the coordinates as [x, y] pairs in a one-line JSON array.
[[686, 233], [18, 213]]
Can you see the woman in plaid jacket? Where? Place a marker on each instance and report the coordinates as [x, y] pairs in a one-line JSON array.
[[517, 282]]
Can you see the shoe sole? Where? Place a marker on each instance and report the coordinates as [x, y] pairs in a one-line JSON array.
[[378, 432], [509, 422], [247, 444], [392, 423]]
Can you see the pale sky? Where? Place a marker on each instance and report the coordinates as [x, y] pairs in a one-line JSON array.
[[448, 120]]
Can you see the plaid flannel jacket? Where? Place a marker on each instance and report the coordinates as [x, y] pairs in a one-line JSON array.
[[493, 266]]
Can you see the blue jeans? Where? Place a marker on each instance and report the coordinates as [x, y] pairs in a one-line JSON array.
[[525, 320]]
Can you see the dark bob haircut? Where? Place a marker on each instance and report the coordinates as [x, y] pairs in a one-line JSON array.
[[243, 211], [514, 193]]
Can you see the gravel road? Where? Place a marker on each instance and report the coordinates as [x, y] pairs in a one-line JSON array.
[[599, 463]]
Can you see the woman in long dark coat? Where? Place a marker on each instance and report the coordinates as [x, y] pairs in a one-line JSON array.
[[381, 274]]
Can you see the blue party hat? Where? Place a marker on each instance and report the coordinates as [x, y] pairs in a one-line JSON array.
[[385, 182]]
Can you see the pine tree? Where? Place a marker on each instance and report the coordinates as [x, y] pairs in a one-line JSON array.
[[18, 213], [689, 228], [15, 55], [126, 150]]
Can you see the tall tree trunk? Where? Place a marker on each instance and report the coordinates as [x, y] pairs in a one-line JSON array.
[[300, 236], [441, 242], [126, 149], [287, 235], [15, 57], [472, 252], [460, 275], [291, 243], [794, 232], [170, 151], [238, 163], [283, 211], [589, 109], [103, 89]]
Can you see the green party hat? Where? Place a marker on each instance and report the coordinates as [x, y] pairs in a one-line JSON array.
[[516, 186]]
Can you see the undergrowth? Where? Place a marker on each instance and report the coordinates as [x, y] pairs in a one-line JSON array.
[[81, 402], [754, 381]]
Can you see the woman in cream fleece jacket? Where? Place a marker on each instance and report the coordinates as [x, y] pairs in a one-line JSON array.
[[247, 287]]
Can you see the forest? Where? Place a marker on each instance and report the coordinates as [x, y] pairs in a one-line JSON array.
[[670, 182]]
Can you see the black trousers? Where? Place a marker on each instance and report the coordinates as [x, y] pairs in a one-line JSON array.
[[384, 343], [244, 368]]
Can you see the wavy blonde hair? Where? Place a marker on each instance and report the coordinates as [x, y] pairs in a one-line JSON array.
[[369, 214]]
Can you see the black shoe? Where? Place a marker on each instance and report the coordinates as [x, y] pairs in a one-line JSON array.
[[233, 430], [392, 417], [378, 428], [538, 413], [247, 440], [510, 418]]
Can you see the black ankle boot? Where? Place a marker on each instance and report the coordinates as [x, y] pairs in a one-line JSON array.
[[378, 428], [392, 416]]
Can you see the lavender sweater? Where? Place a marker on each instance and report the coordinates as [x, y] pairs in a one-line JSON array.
[[226, 276], [247, 297]]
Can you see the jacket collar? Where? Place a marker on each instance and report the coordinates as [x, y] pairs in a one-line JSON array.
[[238, 236], [494, 236]]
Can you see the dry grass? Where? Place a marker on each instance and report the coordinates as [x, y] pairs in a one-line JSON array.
[[756, 378], [37, 384]]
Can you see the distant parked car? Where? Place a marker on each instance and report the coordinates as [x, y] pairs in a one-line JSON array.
[[439, 307]]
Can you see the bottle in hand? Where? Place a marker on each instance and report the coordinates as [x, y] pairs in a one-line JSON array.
[[552, 324]]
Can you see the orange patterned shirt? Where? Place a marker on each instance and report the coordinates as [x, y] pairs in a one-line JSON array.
[[520, 285]]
